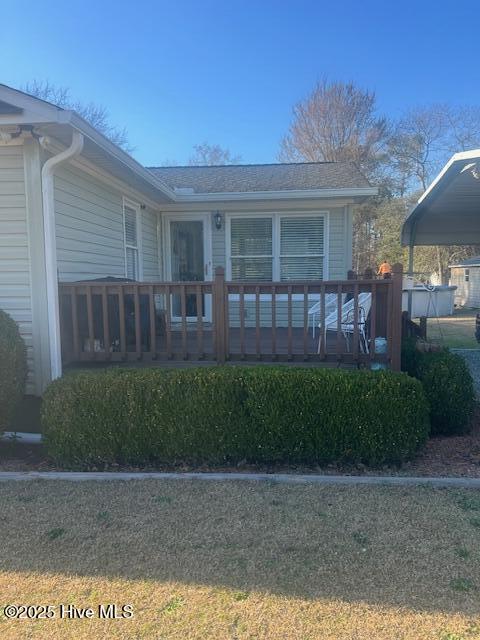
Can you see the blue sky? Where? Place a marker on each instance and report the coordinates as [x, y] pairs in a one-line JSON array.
[[183, 72]]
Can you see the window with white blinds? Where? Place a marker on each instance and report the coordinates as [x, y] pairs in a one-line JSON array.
[[251, 249], [130, 224], [302, 248], [277, 247]]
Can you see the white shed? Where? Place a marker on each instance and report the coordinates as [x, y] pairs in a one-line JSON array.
[[465, 275]]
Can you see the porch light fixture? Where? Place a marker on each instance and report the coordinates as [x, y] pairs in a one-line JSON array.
[[217, 218]]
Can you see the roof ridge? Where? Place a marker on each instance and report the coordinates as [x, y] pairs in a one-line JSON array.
[[247, 164]]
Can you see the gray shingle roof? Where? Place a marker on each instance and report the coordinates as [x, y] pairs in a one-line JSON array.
[[469, 262], [262, 177]]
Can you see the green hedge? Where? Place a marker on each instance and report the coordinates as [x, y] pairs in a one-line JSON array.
[[229, 414], [448, 387], [13, 369]]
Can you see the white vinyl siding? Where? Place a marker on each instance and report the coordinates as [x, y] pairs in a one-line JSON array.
[[149, 242], [467, 293], [15, 276], [90, 229], [276, 247], [131, 228], [339, 244]]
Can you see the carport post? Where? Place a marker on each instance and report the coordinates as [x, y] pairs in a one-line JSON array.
[[410, 275]]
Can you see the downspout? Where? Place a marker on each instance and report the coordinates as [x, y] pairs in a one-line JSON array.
[[48, 170]]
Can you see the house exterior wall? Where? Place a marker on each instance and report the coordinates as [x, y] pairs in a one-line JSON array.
[[468, 292], [15, 272], [90, 242], [89, 229], [339, 235], [339, 247]]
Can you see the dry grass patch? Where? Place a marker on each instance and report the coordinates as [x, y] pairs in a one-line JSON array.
[[242, 560], [456, 331]]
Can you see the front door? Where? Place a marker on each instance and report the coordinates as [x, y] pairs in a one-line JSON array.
[[189, 260]]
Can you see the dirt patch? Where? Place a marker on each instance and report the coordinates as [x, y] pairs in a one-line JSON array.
[[453, 456]]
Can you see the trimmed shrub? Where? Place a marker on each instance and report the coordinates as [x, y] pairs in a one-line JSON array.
[[229, 414], [448, 387], [13, 369], [449, 390]]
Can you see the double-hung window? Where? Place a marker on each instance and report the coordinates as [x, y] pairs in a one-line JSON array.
[[251, 245], [277, 247], [302, 240], [131, 227]]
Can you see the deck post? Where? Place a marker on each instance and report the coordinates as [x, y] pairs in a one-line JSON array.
[[219, 314], [396, 317]]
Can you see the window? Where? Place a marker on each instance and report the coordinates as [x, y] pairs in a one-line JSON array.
[[301, 248], [277, 247], [251, 248], [467, 275], [131, 234]]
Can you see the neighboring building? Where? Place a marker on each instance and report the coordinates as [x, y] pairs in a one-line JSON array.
[[75, 207], [465, 275]]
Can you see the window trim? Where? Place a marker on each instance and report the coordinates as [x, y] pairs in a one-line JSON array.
[[276, 217], [126, 202]]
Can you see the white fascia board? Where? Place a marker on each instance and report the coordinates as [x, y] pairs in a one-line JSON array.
[[278, 195], [36, 111], [463, 266]]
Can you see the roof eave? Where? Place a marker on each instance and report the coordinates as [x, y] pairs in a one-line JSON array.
[[463, 266], [116, 152], [293, 194]]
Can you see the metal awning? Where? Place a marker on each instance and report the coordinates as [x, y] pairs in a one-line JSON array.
[[449, 210]]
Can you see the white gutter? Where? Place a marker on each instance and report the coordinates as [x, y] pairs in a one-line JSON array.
[[277, 195], [48, 170]]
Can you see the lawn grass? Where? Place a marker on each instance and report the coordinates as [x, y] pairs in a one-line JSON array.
[[242, 560], [456, 331]]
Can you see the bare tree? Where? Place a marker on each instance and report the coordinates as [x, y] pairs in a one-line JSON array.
[[94, 114], [463, 128], [212, 154], [416, 146], [425, 137], [337, 121]]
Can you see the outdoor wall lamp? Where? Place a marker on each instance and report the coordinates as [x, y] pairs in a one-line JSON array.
[[217, 218]]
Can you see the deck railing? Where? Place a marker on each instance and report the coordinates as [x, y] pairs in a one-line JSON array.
[[221, 321]]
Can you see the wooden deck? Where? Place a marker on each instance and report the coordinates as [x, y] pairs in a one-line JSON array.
[[251, 322]]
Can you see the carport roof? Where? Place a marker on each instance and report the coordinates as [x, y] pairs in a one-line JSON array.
[[449, 210], [470, 262]]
